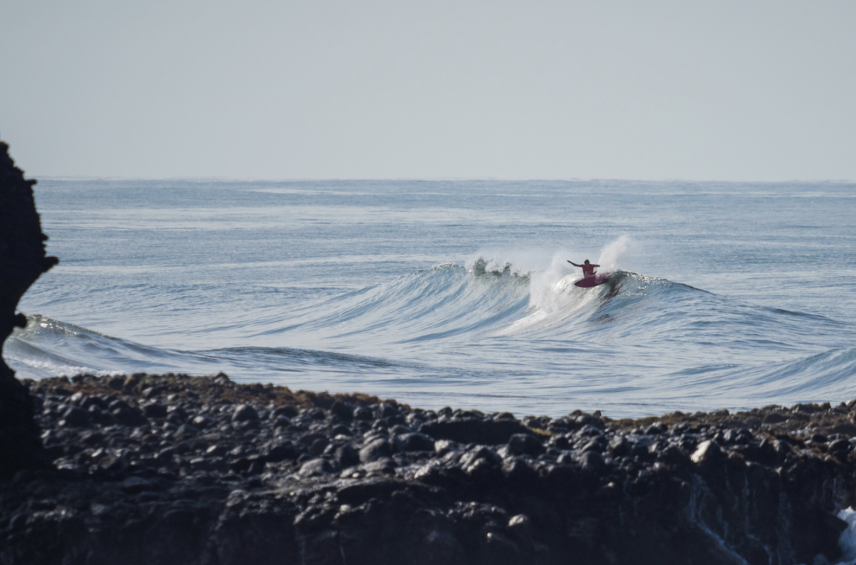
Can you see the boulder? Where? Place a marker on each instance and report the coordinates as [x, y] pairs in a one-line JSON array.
[[475, 430]]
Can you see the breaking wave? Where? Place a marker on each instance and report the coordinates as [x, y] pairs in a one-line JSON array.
[[450, 324]]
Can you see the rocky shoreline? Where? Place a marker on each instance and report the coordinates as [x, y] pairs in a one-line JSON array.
[[176, 469]]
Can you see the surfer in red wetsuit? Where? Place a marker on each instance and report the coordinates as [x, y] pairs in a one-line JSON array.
[[588, 268]]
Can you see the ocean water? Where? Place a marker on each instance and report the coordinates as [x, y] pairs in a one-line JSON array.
[[456, 293]]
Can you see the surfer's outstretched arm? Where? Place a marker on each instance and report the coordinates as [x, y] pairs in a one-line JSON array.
[[574, 264]]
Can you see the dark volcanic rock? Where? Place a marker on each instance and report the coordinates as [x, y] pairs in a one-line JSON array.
[[244, 413], [524, 444], [212, 472], [374, 450], [22, 261], [413, 442], [475, 430], [75, 417]]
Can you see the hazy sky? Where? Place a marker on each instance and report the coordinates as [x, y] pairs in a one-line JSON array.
[[722, 89]]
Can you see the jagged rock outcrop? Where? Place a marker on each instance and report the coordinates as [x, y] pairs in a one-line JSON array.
[[22, 261]]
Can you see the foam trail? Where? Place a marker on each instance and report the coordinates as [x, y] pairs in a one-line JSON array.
[[542, 285], [552, 297]]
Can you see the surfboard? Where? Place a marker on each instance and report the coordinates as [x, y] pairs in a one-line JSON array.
[[596, 279]]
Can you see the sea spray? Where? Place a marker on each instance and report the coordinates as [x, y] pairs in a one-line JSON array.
[[614, 252], [550, 289], [519, 262]]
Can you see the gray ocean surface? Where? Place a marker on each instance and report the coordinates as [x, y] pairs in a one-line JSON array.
[[456, 293]]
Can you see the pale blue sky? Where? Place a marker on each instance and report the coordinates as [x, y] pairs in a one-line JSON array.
[[724, 89]]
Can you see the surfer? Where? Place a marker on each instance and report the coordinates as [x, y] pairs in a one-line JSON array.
[[588, 268]]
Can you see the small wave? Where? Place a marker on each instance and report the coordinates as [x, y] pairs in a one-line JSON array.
[[48, 347], [819, 375]]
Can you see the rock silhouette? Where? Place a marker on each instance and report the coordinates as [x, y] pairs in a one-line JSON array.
[[22, 261]]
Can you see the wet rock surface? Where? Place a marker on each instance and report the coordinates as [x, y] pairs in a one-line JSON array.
[[176, 469]]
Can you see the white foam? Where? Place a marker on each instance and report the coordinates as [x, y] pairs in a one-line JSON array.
[[521, 261], [847, 540], [548, 289], [553, 298], [35, 368]]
